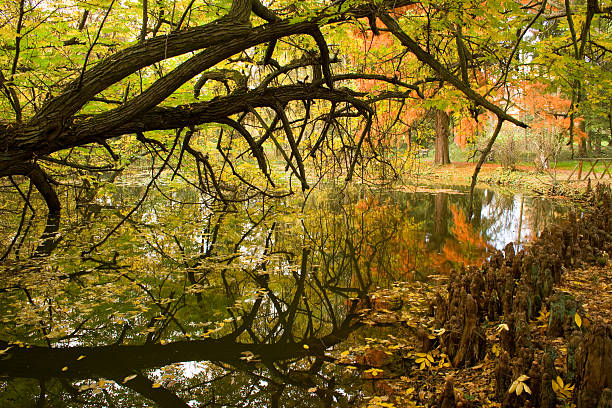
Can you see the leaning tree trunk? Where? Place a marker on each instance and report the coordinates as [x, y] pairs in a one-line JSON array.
[[442, 134], [40, 180]]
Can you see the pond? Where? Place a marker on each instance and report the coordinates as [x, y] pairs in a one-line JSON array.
[[246, 305]]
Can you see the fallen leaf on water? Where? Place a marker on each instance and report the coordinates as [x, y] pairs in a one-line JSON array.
[[129, 377]]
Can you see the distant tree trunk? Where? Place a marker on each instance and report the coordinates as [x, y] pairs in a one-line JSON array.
[[582, 148], [597, 142], [582, 145], [442, 134]]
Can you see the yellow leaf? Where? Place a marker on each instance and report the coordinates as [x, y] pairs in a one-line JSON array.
[[578, 320], [128, 378], [306, 346], [80, 358], [503, 326], [156, 385], [313, 389], [64, 368], [513, 387], [527, 389], [519, 388]]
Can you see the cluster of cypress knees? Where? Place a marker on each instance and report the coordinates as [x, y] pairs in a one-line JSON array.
[[511, 289]]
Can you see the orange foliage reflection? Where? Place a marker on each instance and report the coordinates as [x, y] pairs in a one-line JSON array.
[[468, 246]]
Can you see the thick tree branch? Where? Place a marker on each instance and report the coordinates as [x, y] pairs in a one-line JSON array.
[[221, 75], [125, 62], [83, 132], [162, 396]]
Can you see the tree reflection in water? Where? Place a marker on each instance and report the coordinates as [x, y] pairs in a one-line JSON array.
[[187, 306]]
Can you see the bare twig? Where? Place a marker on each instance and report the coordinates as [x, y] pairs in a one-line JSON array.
[[80, 84]]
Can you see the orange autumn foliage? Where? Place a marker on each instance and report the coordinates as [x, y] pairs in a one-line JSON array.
[[468, 247], [392, 120], [466, 129], [548, 108]]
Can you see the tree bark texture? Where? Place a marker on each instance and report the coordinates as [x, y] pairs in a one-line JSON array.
[[442, 135]]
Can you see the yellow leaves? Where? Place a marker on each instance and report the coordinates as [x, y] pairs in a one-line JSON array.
[[496, 350], [129, 377], [80, 357], [313, 389], [374, 371], [64, 368], [249, 357], [519, 385], [306, 346], [578, 320], [543, 318], [96, 386], [424, 360], [380, 402], [444, 361], [439, 332], [502, 326], [562, 390]]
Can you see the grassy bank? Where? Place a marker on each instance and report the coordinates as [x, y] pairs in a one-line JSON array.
[[524, 179]]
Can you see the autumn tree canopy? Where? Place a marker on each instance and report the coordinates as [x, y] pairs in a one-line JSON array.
[[93, 86], [169, 135]]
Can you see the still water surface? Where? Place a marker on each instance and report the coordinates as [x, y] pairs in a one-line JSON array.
[[248, 305]]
